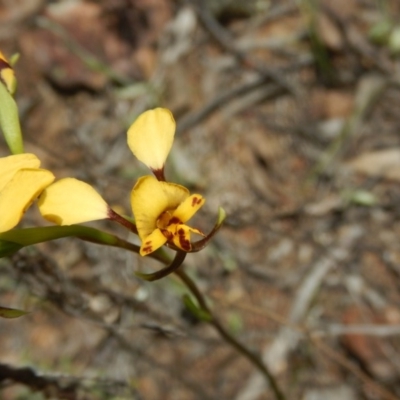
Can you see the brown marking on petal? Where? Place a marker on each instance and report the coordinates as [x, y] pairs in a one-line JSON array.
[[174, 220], [159, 174], [169, 235], [184, 243], [195, 201], [148, 249], [4, 64]]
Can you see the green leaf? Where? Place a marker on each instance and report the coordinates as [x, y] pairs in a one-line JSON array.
[[11, 312], [9, 121], [8, 248]]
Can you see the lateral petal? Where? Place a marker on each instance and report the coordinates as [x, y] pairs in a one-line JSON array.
[[11, 164], [189, 207], [152, 242], [71, 201], [19, 193]]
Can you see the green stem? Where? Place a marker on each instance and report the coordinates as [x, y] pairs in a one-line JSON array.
[[30, 236], [253, 358]]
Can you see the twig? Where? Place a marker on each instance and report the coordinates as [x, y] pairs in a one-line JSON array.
[[194, 118], [287, 339], [334, 355], [362, 329]]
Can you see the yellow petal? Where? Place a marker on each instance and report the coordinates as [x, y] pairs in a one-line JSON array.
[[7, 75], [152, 242], [181, 237], [19, 193], [150, 137], [150, 198], [189, 207], [70, 201], [11, 164]]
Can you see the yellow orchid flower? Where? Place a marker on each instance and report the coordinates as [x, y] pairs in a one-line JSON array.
[[161, 210], [21, 182], [71, 201], [7, 75], [150, 138]]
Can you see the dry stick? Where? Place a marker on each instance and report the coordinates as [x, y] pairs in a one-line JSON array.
[[195, 118], [253, 358], [315, 338], [386, 395], [331, 330], [191, 119], [276, 353]]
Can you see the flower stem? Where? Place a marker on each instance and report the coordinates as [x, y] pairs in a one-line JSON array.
[[241, 348], [113, 216], [162, 273]]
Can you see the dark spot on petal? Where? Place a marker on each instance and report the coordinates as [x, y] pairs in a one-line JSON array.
[[148, 249], [195, 201], [4, 64], [185, 244], [175, 220]]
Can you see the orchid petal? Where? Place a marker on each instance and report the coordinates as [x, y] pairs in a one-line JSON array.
[[150, 137], [19, 193], [150, 198], [70, 201], [152, 242], [189, 207], [11, 164], [181, 238]]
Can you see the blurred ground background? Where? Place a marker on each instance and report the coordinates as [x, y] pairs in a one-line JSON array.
[[288, 117]]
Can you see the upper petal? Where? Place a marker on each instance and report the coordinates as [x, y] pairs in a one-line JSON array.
[[70, 201], [11, 164], [18, 194], [150, 198], [189, 207], [150, 137]]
